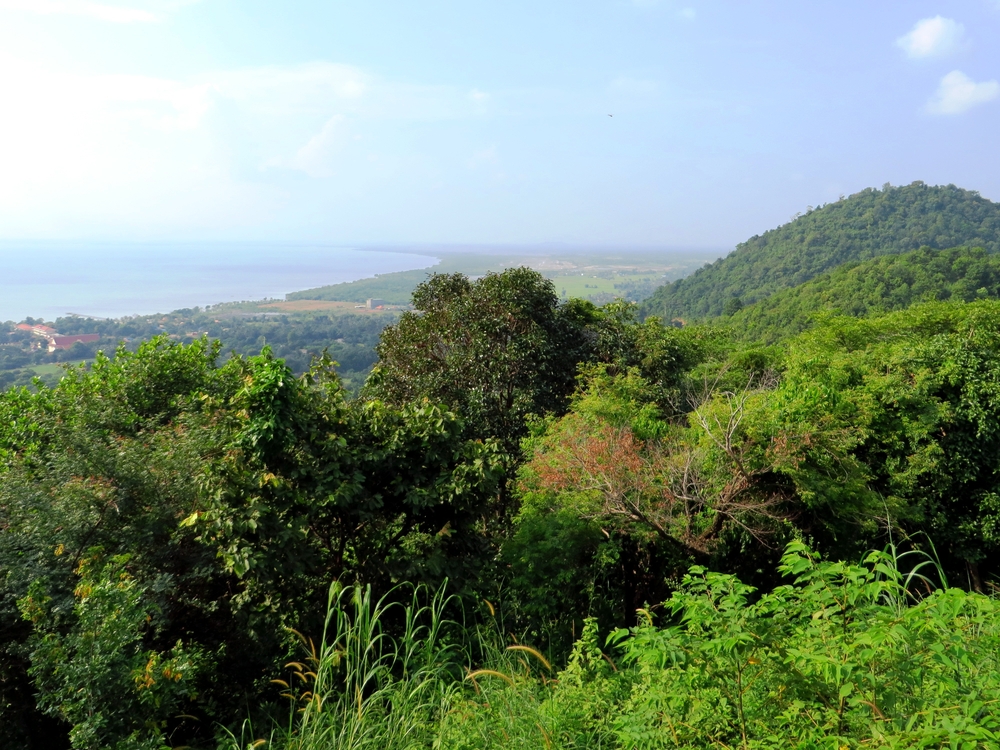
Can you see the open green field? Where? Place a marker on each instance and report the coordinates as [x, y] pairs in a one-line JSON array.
[[598, 275], [599, 287], [55, 368], [49, 372]]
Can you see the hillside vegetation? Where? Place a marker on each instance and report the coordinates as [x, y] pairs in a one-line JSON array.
[[866, 225], [871, 287], [539, 523]]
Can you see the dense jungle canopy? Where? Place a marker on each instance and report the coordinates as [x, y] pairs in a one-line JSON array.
[[862, 226], [879, 285]]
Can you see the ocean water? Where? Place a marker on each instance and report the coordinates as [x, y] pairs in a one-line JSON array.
[[110, 280]]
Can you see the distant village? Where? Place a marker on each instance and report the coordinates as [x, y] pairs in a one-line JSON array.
[[52, 340]]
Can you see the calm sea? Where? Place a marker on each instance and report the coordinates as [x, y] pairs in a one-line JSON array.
[[50, 279]]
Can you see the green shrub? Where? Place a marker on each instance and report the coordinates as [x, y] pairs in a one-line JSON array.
[[98, 677], [836, 659], [844, 656]]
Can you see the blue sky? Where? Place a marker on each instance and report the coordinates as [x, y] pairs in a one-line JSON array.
[[474, 122]]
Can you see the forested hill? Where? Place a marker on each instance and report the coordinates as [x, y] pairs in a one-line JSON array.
[[873, 287], [866, 225]]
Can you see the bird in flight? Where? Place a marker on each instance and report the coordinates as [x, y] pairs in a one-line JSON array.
[[610, 115]]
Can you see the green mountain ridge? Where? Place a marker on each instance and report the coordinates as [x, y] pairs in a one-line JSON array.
[[873, 287], [866, 225]]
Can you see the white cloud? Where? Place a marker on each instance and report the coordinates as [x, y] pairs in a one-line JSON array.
[[101, 11], [688, 14], [83, 150], [286, 91], [958, 93], [932, 37], [134, 11]]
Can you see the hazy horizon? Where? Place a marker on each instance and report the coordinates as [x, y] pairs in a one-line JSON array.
[[51, 278], [121, 279]]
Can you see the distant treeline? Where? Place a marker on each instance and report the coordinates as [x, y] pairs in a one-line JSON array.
[[296, 338], [394, 288]]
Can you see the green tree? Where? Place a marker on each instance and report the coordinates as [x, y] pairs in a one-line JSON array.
[[107, 461], [495, 350], [309, 487], [157, 509], [733, 305], [893, 420], [503, 348], [632, 494]]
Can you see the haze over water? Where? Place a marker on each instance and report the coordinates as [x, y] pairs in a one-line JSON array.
[[50, 279]]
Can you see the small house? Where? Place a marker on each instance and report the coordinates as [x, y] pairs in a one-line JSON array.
[[65, 342]]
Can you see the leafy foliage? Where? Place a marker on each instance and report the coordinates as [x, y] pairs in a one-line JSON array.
[[97, 676], [834, 659], [843, 655], [94, 476], [224, 500], [633, 497], [170, 527], [900, 410], [496, 350], [502, 349], [866, 225], [872, 287]]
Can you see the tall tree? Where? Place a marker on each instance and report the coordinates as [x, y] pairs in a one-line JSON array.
[[495, 350]]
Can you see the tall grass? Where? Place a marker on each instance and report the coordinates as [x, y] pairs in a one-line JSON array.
[[870, 655], [389, 675], [365, 689]]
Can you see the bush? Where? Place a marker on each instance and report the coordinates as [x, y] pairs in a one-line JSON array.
[[844, 656]]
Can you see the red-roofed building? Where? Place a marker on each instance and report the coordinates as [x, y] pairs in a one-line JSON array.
[[65, 342], [55, 339], [38, 329]]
